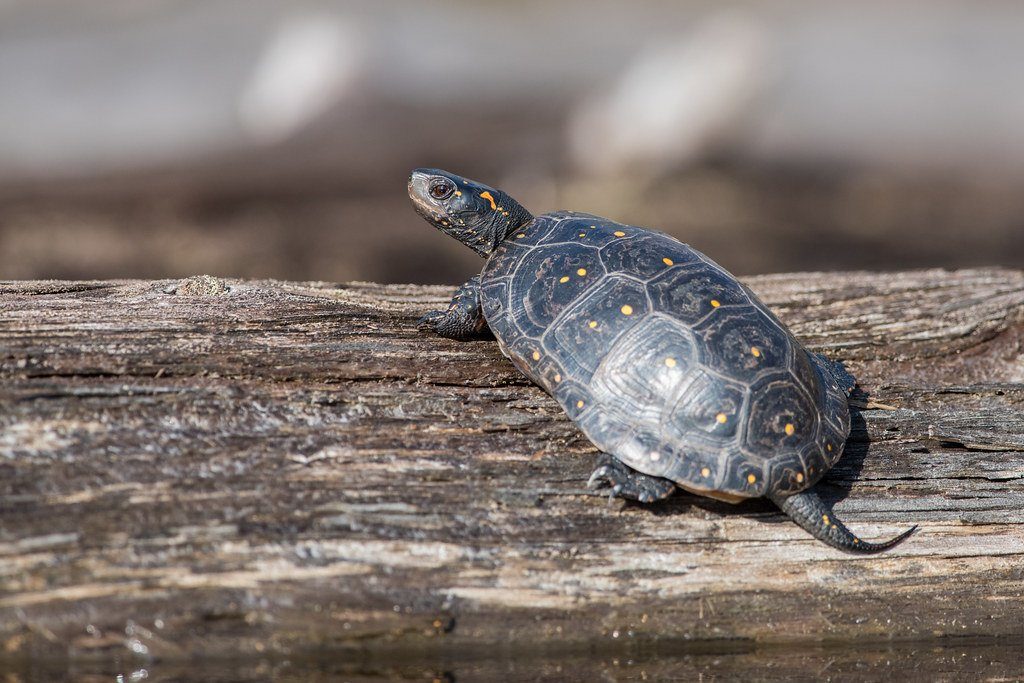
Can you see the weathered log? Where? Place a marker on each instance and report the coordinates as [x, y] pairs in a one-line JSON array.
[[223, 466]]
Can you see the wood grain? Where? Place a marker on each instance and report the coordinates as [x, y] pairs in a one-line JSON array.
[[213, 466]]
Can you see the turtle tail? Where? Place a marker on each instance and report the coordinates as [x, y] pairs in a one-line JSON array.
[[810, 512]]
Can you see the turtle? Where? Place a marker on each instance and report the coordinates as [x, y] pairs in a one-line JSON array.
[[678, 373]]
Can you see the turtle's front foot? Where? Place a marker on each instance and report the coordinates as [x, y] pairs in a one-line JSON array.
[[625, 482], [453, 324], [463, 320], [430, 321]]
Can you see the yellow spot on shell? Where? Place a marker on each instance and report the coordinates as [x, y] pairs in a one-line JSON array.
[[520, 236], [536, 355], [825, 519], [856, 540], [581, 272], [619, 233], [564, 278], [488, 197], [583, 234], [829, 447], [705, 472], [721, 418], [756, 352], [751, 478], [790, 429], [579, 404], [715, 303], [592, 324], [799, 476], [627, 310], [558, 377], [667, 261], [458, 193], [671, 362]]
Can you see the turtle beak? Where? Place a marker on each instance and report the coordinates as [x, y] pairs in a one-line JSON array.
[[418, 183]]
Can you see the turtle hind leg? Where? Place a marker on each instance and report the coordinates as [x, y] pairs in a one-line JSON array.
[[810, 512], [625, 482]]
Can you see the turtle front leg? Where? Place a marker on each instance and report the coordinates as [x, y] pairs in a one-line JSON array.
[[463, 319], [625, 482]]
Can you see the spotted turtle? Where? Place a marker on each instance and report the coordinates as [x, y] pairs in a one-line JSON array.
[[673, 368]]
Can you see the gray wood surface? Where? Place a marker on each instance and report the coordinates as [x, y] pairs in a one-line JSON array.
[[212, 466]]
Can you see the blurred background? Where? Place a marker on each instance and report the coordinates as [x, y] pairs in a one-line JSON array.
[[273, 139]]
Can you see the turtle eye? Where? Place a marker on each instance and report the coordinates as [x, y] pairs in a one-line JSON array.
[[441, 188]]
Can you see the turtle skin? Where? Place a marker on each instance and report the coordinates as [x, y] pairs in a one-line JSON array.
[[663, 359]]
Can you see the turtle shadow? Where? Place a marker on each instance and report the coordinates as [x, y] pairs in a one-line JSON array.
[[834, 487]]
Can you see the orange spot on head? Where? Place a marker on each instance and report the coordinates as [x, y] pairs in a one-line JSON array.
[[488, 197]]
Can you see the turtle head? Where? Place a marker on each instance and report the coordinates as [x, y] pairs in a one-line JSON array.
[[473, 213]]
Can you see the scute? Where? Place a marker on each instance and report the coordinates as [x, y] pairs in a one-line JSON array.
[[707, 411], [550, 279], [644, 256], [692, 292], [607, 429], [645, 364], [781, 417], [742, 343], [582, 335]]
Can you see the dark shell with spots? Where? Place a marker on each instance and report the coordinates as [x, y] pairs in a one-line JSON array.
[[662, 358]]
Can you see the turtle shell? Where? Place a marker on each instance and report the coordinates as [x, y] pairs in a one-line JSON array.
[[662, 358]]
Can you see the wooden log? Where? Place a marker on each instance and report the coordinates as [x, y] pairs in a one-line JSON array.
[[217, 466]]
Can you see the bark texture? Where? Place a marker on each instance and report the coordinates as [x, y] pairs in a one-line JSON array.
[[207, 466]]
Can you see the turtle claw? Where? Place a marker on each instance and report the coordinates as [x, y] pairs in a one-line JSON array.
[[615, 492], [624, 482], [598, 478], [430, 321]]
